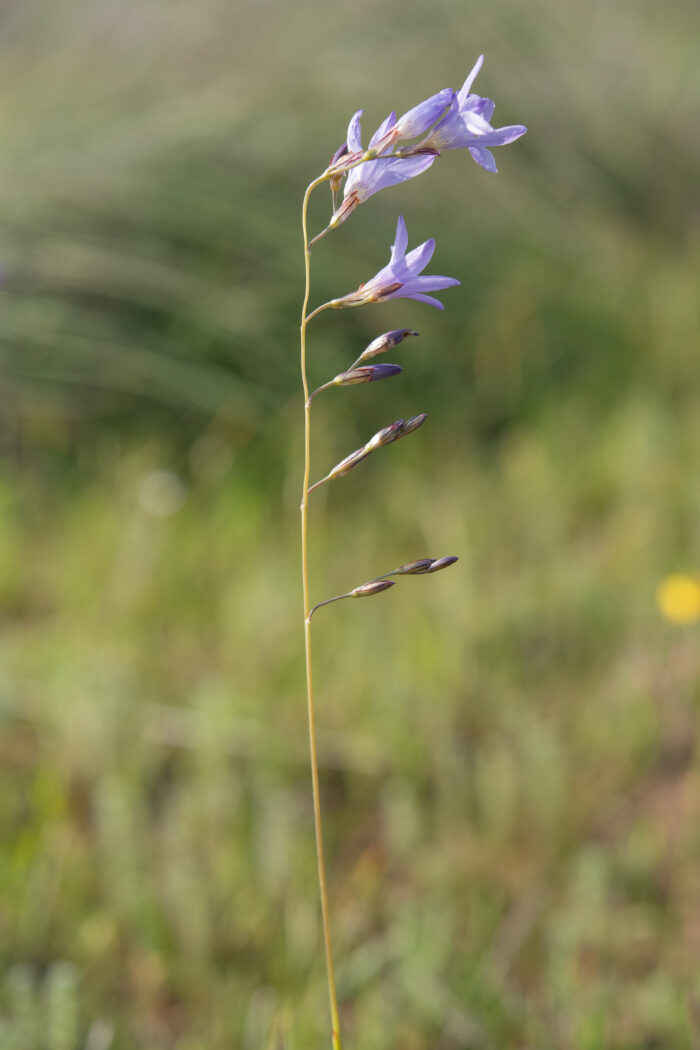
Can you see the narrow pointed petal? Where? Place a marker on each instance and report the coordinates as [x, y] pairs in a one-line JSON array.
[[433, 283], [419, 257], [483, 158], [426, 299], [382, 130], [502, 136], [467, 85], [398, 248], [354, 140]]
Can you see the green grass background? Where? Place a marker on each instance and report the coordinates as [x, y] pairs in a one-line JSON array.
[[510, 764]]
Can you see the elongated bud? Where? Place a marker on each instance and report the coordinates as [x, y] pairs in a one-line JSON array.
[[337, 178], [374, 587], [340, 152], [385, 342], [349, 463], [343, 213], [413, 423], [414, 568], [385, 436], [365, 374], [442, 563]]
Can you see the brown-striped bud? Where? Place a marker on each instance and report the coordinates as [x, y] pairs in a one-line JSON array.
[[365, 374], [414, 568], [385, 436], [413, 423], [349, 463], [385, 342], [442, 563], [374, 587], [337, 178]]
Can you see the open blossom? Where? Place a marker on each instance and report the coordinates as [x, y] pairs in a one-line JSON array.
[[466, 124], [401, 277], [374, 175]]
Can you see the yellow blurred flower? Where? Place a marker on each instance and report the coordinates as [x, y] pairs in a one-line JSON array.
[[678, 598]]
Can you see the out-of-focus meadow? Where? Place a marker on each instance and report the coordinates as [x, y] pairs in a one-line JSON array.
[[510, 769]]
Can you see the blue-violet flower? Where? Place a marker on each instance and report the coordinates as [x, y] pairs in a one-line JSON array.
[[466, 124], [374, 175], [400, 279]]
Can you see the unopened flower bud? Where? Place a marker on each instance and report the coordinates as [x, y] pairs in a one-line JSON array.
[[365, 374], [384, 342], [349, 463], [375, 587], [337, 179], [414, 568], [385, 436], [340, 152], [413, 423], [442, 563]]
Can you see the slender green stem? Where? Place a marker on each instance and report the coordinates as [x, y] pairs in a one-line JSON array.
[[335, 1019], [329, 601]]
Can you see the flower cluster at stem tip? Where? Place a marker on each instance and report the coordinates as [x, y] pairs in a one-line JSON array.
[[402, 149]]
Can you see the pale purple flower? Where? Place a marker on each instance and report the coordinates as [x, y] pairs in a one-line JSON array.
[[374, 175], [414, 122], [466, 124], [401, 277]]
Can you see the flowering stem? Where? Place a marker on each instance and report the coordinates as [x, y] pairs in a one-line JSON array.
[[335, 1020]]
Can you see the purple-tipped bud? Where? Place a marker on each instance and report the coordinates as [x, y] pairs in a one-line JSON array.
[[442, 563], [337, 179], [375, 587], [340, 152], [413, 423], [349, 463], [415, 568], [365, 374], [385, 342], [385, 436]]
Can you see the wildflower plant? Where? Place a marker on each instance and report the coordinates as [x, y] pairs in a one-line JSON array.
[[398, 150]]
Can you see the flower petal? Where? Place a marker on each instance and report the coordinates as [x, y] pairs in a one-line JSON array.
[[502, 136], [433, 283], [381, 131], [354, 140], [483, 106], [417, 120], [398, 248], [374, 175], [483, 157], [426, 299], [475, 123], [419, 257], [467, 85]]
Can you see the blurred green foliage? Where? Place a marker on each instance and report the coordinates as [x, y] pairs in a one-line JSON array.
[[510, 767]]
